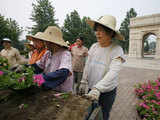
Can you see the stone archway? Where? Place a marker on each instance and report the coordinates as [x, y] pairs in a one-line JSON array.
[[149, 45], [139, 27]]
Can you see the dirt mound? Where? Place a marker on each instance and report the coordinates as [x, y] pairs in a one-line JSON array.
[[42, 105]]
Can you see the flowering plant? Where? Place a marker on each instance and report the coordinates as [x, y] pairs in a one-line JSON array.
[[38, 79], [149, 104], [16, 81], [4, 63]]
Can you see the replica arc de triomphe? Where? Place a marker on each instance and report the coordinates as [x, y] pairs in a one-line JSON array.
[[139, 28]]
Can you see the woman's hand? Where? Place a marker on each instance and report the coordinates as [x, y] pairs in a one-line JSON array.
[[93, 94]]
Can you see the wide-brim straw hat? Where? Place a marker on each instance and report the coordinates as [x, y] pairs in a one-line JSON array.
[[53, 34], [38, 35], [107, 21]]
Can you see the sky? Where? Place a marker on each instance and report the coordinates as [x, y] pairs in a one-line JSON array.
[[20, 10]]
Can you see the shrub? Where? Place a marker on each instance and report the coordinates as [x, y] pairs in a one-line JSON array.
[[149, 103]]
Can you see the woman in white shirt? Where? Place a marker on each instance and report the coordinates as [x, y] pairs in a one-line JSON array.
[[103, 65]]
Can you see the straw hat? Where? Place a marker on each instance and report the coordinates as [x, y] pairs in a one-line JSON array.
[[107, 21], [38, 35], [53, 34]]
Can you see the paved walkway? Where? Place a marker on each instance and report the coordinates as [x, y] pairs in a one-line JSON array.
[[132, 73], [146, 63]]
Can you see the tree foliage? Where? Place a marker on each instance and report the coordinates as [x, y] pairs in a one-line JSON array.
[[9, 28], [74, 27], [124, 28], [43, 15]]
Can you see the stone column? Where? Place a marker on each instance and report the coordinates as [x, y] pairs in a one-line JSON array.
[[157, 54], [139, 45], [132, 48]]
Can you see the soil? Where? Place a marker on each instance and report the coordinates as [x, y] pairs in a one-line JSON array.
[[38, 104]]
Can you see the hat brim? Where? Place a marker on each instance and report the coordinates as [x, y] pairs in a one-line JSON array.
[[62, 44], [92, 24], [31, 37], [4, 41]]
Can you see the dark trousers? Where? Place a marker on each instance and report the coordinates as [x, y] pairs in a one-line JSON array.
[[77, 80], [106, 101]]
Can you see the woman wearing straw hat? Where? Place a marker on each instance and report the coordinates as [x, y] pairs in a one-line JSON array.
[[103, 65], [56, 65], [39, 45]]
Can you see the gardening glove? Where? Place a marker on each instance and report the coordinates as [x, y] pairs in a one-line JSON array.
[[17, 68], [93, 94], [83, 88], [38, 79]]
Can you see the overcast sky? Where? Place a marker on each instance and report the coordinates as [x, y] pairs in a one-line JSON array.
[[20, 10]]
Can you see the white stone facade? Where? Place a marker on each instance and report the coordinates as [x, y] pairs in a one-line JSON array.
[[139, 27]]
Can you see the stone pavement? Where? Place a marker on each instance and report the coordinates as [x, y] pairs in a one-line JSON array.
[[133, 72], [147, 63]]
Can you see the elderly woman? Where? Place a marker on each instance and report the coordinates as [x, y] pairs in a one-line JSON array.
[[56, 63], [103, 65], [39, 45]]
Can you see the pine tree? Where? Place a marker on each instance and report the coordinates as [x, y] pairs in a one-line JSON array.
[[43, 15], [9, 28], [74, 27], [124, 28]]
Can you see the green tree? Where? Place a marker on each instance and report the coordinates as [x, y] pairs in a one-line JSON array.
[[146, 46], [3, 27], [88, 33], [74, 27], [9, 28], [14, 33], [43, 15], [124, 28]]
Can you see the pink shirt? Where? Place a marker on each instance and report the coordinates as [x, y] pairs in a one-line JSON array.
[[60, 59]]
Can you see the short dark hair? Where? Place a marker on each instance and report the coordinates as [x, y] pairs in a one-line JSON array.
[[107, 30], [81, 38]]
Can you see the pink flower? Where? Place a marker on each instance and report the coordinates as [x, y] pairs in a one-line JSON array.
[[1, 73], [38, 79], [149, 85], [41, 82], [158, 95], [144, 105], [158, 83], [143, 86], [21, 79], [144, 97]]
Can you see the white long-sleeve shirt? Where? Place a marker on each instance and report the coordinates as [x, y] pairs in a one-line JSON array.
[[103, 66]]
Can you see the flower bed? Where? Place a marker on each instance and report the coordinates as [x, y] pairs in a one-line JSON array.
[[149, 100], [13, 80], [20, 80]]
